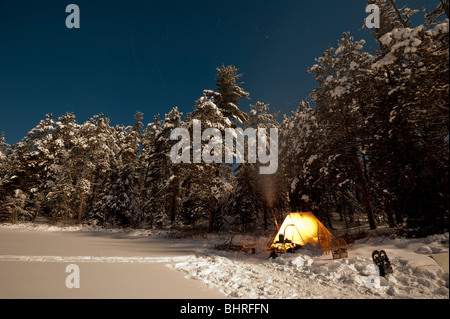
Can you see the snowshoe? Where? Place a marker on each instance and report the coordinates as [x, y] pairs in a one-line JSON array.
[[377, 260], [385, 262], [381, 259], [376, 256]]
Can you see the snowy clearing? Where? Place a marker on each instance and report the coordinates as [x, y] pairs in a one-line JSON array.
[[114, 264], [306, 274]]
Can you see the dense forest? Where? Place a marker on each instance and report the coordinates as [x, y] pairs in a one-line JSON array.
[[371, 140]]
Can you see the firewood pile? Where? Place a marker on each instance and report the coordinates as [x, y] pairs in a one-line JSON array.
[[228, 245]]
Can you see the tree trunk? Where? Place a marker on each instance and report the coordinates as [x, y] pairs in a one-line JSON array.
[[364, 191], [80, 209], [398, 216], [211, 215], [38, 206], [390, 215], [173, 205]]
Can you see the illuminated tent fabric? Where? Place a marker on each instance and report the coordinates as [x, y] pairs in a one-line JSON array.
[[441, 260], [299, 229]]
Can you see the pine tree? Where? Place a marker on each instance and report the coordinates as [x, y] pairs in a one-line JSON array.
[[229, 94], [164, 176], [4, 160], [3, 146], [102, 153], [270, 188], [299, 148], [12, 207], [208, 176], [339, 100], [410, 130], [391, 17], [146, 160], [246, 200], [6, 183], [29, 162], [61, 174], [119, 204]]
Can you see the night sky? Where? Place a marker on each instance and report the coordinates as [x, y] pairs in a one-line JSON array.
[[153, 55]]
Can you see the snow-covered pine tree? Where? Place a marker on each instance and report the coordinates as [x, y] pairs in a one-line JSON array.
[[339, 100], [128, 138], [146, 159], [164, 176], [271, 188], [391, 17], [125, 177], [60, 176], [209, 177], [102, 151], [229, 94], [409, 124], [6, 189], [299, 147], [28, 163], [3, 146], [175, 172], [246, 201], [13, 206], [306, 162], [119, 203]]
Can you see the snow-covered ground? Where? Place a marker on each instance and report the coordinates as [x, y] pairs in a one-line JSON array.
[[309, 274], [305, 274], [113, 264]]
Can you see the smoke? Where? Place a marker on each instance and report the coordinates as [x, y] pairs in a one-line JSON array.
[[268, 190]]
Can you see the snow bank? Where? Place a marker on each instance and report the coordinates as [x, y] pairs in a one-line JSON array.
[[28, 226], [308, 274]]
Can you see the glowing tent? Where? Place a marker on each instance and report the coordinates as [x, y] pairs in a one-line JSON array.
[[299, 229]]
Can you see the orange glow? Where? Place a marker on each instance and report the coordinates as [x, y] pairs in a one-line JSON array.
[[299, 229]]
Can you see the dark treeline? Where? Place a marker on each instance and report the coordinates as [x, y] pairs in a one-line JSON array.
[[371, 140]]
